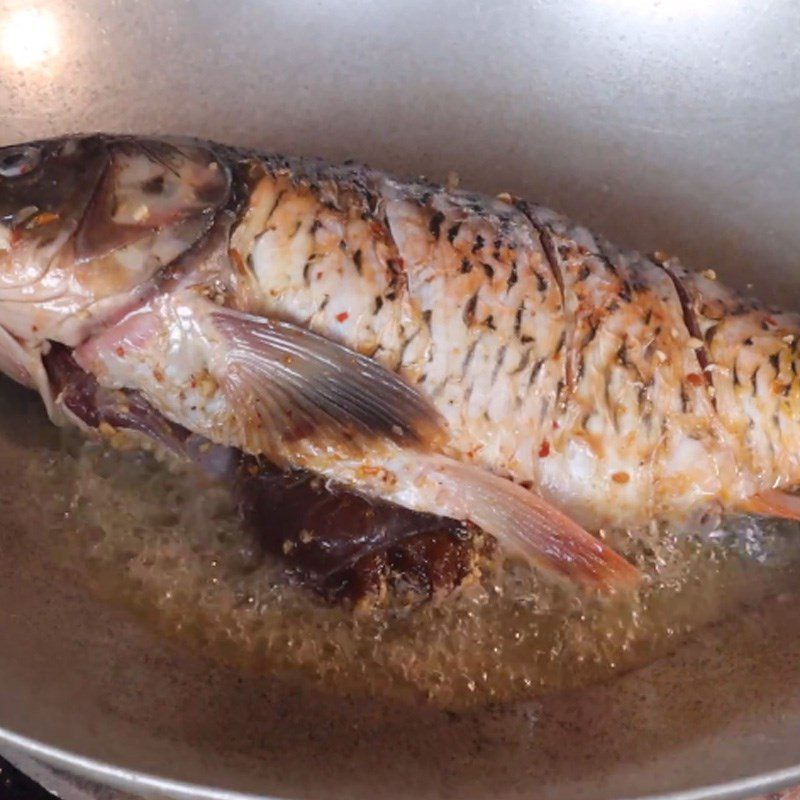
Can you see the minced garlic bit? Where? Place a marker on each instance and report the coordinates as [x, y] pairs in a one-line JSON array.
[[106, 429], [789, 338], [207, 386], [718, 368], [712, 391], [674, 333], [505, 197], [660, 255], [141, 213], [710, 274], [452, 181], [661, 356], [695, 342]]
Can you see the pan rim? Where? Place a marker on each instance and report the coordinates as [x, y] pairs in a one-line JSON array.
[[134, 780]]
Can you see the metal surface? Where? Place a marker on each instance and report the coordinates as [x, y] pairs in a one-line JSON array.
[[669, 125]]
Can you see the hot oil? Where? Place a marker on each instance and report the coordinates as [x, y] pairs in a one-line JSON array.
[[169, 546]]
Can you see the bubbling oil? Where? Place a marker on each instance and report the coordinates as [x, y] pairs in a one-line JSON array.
[[155, 537]]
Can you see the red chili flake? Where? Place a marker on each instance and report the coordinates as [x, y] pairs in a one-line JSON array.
[[120, 351], [770, 320], [695, 379], [342, 317], [43, 219], [620, 477], [556, 426], [238, 261], [544, 450]]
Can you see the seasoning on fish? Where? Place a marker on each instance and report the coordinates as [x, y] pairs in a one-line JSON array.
[[485, 361]]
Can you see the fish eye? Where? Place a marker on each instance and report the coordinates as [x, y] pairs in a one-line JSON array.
[[18, 161]]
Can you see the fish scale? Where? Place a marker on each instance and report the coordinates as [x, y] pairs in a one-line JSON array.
[[641, 449]]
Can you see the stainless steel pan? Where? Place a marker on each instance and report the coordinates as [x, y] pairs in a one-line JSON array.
[[670, 124]]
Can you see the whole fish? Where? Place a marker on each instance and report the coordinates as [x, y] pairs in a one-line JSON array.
[[480, 359]]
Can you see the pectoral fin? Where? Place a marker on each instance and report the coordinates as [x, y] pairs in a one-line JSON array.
[[291, 383]]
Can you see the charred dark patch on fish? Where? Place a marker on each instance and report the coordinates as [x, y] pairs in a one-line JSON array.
[[524, 360], [478, 245], [591, 334], [278, 199], [466, 266], [512, 277], [501, 355], [357, 260], [468, 357], [407, 342], [691, 322], [452, 232], [622, 354], [625, 292], [469, 310], [435, 224], [488, 270], [561, 342], [537, 368], [468, 392], [349, 549], [605, 259], [541, 282], [548, 247], [518, 318]]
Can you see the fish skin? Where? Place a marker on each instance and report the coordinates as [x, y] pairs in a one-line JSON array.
[[553, 358]]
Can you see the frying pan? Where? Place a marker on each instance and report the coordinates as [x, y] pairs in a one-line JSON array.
[[668, 125]]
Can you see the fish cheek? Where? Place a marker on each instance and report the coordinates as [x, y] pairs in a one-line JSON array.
[[154, 203], [103, 276]]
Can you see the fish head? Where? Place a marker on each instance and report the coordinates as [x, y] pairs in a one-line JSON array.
[[89, 224]]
